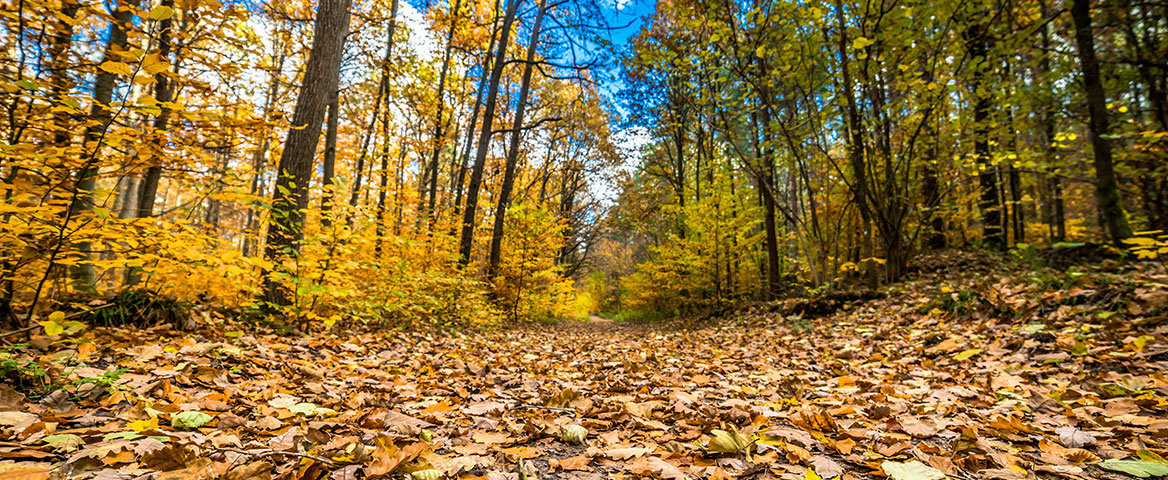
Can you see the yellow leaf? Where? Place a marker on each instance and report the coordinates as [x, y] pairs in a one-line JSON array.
[[117, 68], [143, 425], [154, 64], [161, 12], [967, 354], [52, 328]]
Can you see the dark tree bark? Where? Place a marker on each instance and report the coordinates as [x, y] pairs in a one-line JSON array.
[[59, 81], [290, 197], [1054, 207], [977, 43], [1106, 189], [476, 178], [513, 150], [468, 144], [383, 189], [330, 160], [931, 190]]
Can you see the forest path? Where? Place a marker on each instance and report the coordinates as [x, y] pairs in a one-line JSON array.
[[598, 319]]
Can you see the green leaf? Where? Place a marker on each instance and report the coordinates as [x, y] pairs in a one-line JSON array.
[[28, 84], [1135, 468], [1080, 349], [913, 470], [121, 436], [189, 420], [861, 43]]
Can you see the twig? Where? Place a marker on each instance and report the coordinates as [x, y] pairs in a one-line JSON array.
[[14, 332], [536, 407], [271, 453]]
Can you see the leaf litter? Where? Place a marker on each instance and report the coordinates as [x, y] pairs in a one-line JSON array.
[[1061, 384]]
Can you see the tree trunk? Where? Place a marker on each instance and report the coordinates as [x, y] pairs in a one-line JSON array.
[[59, 82], [330, 160], [260, 160], [1106, 189], [290, 196], [856, 149], [1053, 208], [164, 93], [382, 91], [100, 116], [977, 43], [513, 150], [383, 189], [474, 117], [484, 144], [439, 138]]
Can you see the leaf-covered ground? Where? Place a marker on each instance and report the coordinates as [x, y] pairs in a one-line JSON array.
[[958, 373]]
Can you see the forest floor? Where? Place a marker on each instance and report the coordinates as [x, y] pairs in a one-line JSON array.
[[968, 371]]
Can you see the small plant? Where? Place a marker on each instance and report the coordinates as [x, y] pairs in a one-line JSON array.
[[142, 308], [1025, 253], [107, 380]]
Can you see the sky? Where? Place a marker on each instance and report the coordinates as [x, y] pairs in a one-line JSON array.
[[629, 140], [624, 19]]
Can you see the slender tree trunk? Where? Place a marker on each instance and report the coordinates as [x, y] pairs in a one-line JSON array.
[[1013, 177], [1055, 209], [290, 197], [513, 150], [856, 149], [440, 123], [1106, 189], [931, 189], [382, 92], [164, 93], [330, 160], [100, 115], [484, 144], [382, 189], [260, 160], [59, 82], [474, 117], [977, 43]]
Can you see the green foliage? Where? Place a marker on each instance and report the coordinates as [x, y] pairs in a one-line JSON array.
[[189, 420], [639, 315], [107, 380]]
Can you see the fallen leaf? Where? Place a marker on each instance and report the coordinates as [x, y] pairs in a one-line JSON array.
[[913, 470]]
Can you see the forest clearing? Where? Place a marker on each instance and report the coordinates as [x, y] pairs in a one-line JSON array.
[[610, 239]]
